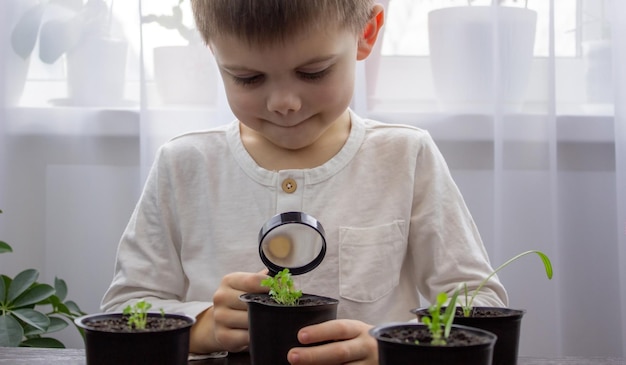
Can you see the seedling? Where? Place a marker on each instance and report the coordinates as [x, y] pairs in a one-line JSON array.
[[138, 314], [467, 307], [282, 289], [440, 325]]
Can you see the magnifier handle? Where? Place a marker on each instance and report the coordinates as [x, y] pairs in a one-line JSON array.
[[272, 272]]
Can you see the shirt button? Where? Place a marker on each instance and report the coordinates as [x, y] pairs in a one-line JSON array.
[[289, 185]]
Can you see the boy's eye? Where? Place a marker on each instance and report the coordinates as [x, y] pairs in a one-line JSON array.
[[313, 76], [246, 81]]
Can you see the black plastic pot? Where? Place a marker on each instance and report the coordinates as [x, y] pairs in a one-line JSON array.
[[396, 349], [169, 346], [274, 328], [503, 322]]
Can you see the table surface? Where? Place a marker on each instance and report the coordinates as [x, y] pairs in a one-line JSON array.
[[36, 356]]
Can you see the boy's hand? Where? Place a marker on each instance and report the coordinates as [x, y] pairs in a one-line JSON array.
[[352, 344], [224, 326]]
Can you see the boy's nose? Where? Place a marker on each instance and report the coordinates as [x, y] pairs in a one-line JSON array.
[[283, 102]]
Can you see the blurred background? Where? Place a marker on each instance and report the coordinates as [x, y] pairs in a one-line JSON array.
[[526, 100]]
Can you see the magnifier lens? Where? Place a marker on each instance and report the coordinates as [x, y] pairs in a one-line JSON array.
[[292, 240]]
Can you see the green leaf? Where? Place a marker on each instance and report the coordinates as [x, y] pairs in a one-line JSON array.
[[73, 307], [21, 283], [62, 308], [56, 324], [546, 263], [24, 35], [34, 295], [61, 288], [11, 333], [43, 342], [448, 316], [4, 247], [33, 318], [3, 290]]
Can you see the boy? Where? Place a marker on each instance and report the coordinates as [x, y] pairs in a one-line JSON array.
[[395, 221]]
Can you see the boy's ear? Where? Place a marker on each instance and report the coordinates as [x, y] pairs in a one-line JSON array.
[[367, 38]]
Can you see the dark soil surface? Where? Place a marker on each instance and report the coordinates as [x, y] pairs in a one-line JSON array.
[[120, 324], [305, 300], [484, 312], [477, 312], [422, 335]]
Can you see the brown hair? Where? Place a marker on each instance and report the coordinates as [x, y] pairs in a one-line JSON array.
[[270, 21]]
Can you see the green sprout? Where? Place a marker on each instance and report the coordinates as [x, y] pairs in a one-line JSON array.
[[467, 307], [440, 325], [282, 289], [138, 314]]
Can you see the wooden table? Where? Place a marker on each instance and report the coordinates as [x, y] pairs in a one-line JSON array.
[[35, 356]]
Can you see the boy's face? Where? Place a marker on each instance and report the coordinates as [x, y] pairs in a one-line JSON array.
[[290, 93]]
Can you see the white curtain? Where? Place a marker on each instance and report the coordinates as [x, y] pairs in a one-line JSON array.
[[549, 176]]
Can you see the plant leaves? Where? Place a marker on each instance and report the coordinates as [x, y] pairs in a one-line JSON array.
[[33, 318], [57, 37], [33, 295], [21, 283], [24, 35], [56, 324], [73, 307], [61, 288], [546, 263], [3, 290], [11, 333], [4, 247], [45, 342], [6, 282], [62, 308]]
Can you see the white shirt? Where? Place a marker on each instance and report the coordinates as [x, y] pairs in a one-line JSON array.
[[396, 224]]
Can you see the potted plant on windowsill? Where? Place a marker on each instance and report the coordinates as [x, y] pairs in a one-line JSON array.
[[287, 310], [466, 62], [136, 336], [83, 32], [436, 341], [183, 74], [505, 323], [30, 311]]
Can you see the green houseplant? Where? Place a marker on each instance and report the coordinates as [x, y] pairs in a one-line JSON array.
[[505, 323], [30, 311], [83, 32], [287, 309], [436, 341], [136, 336], [183, 74]]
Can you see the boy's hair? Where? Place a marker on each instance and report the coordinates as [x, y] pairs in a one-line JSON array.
[[271, 21]]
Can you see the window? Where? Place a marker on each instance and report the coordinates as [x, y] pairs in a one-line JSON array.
[[406, 30], [405, 55]]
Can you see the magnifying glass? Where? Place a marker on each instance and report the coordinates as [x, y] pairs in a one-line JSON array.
[[292, 240]]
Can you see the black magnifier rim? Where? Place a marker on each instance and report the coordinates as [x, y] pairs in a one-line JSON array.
[[288, 218]]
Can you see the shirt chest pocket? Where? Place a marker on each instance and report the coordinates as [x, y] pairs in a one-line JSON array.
[[370, 260]]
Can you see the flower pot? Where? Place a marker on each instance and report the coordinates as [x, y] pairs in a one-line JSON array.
[[466, 346], [96, 72], [274, 327], [185, 75], [463, 54], [505, 323], [169, 345]]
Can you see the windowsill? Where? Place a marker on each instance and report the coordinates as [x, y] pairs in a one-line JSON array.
[[573, 122]]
